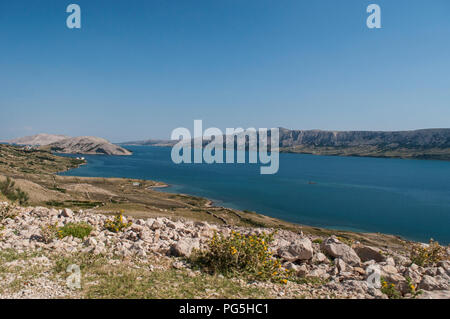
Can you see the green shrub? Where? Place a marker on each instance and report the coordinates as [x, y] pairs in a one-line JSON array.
[[241, 255], [13, 194], [7, 212], [7, 187], [58, 189], [78, 230], [55, 203], [22, 197], [72, 203]]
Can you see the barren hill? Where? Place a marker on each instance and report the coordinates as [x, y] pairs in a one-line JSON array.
[[87, 145]]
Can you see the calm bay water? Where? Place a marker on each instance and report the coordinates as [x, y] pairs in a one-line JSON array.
[[410, 198]]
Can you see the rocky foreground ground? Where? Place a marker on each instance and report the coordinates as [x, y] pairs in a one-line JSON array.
[[148, 260]]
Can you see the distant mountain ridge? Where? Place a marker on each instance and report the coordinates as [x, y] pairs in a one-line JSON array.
[[420, 144], [72, 145], [38, 139], [426, 138], [151, 142]]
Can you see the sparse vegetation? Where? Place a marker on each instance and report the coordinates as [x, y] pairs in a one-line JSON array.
[[13, 193], [102, 279], [254, 223], [19, 160], [49, 232], [412, 288], [58, 189], [73, 203], [7, 212]]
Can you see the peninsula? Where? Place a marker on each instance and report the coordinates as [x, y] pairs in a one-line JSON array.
[[89, 145]]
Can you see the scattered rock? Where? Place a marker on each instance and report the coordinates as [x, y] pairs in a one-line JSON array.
[[183, 248], [341, 265], [438, 294], [300, 249], [433, 283], [319, 258], [334, 248], [366, 253], [66, 212]]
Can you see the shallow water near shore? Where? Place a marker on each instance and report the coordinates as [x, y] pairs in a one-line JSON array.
[[410, 198]]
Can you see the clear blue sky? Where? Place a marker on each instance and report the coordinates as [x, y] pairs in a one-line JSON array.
[[138, 69]]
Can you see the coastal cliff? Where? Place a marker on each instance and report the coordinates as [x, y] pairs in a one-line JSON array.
[[421, 144]]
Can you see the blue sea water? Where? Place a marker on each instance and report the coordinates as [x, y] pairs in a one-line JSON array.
[[410, 198]]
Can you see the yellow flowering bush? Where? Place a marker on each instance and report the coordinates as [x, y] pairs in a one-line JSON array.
[[390, 290], [393, 292], [247, 255], [428, 255], [412, 288], [117, 224]]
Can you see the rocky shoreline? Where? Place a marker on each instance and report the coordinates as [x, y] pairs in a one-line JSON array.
[[326, 267]]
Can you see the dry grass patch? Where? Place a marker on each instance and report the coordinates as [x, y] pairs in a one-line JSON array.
[[122, 279]]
